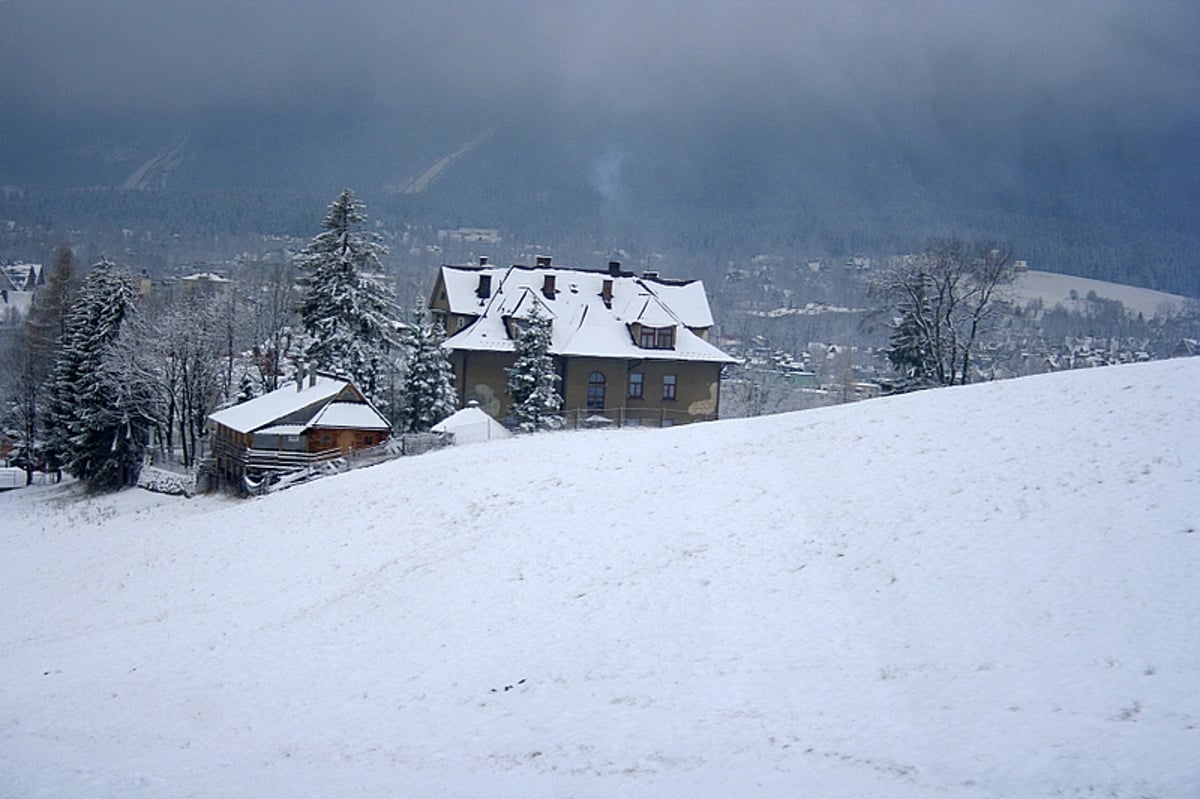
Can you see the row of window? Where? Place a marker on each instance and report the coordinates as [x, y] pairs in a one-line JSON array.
[[637, 388]]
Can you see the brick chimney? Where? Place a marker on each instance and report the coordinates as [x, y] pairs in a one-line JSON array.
[[485, 287], [548, 286], [543, 261], [606, 293]]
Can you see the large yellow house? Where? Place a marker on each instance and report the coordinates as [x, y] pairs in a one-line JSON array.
[[631, 350]]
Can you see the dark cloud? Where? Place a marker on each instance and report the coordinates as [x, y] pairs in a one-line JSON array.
[[621, 58]]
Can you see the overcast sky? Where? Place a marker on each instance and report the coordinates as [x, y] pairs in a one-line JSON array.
[[1134, 60]]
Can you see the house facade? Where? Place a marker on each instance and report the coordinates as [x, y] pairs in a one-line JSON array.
[[300, 424], [630, 350]]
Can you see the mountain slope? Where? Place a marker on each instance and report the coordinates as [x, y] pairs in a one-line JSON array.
[[986, 591]]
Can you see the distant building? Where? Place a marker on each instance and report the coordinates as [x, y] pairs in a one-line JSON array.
[[630, 350], [204, 284], [19, 282], [471, 235]]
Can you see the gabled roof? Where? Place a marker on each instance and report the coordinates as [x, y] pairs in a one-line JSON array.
[[583, 323], [470, 425], [21, 276], [316, 402], [349, 416]]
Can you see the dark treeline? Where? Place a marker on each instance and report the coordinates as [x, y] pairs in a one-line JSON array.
[[1120, 245]]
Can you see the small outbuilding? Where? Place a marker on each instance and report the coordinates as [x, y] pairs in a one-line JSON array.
[[471, 425]]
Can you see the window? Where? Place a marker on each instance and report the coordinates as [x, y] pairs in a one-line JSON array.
[[637, 383], [595, 391], [657, 338], [668, 387]]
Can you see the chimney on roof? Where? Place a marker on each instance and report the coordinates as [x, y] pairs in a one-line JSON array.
[[548, 286], [650, 273], [300, 367], [485, 287], [606, 292], [614, 268], [543, 261], [312, 375], [483, 260]]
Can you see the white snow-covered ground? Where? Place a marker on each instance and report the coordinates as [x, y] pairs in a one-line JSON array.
[[987, 591], [1055, 289]]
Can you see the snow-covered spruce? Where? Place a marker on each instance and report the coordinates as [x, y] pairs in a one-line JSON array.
[[532, 379], [348, 315], [429, 395], [102, 405]]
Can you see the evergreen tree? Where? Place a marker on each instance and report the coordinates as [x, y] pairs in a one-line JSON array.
[[47, 320], [247, 389], [909, 342], [348, 315], [429, 395], [533, 379], [101, 409], [31, 363]]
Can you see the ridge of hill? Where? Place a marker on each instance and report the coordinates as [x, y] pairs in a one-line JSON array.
[[985, 591]]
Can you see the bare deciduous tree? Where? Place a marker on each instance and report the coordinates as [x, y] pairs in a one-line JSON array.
[[942, 301]]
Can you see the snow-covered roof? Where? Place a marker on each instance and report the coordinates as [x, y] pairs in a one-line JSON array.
[[20, 276], [350, 415], [583, 323], [286, 401], [471, 425], [210, 277], [282, 430]]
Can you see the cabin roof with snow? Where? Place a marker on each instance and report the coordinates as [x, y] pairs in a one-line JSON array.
[[324, 402], [593, 313]]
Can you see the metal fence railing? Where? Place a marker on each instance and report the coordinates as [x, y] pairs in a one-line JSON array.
[[587, 419]]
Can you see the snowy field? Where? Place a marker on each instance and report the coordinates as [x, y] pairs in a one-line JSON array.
[[987, 591], [1055, 289]]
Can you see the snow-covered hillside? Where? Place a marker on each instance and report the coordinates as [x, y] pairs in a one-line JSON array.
[[987, 591], [1056, 289]]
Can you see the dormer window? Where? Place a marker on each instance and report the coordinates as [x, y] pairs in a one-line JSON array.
[[516, 325], [657, 338]]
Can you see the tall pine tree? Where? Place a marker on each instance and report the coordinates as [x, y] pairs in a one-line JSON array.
[[348, 315], [101, 411], [32, 364], [533, 379], [429, 395]]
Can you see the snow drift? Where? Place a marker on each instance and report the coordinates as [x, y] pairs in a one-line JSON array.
[[981, 591]]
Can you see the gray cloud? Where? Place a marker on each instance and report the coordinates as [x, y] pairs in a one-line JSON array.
[[620, 58]]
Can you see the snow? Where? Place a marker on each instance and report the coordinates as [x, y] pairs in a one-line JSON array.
[[583, 325], [471, 426], [12, 477], [985, 591], [1055, 289], [253, 414], [355, 415]]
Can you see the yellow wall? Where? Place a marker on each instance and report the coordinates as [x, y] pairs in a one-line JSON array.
[[482, 377]]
